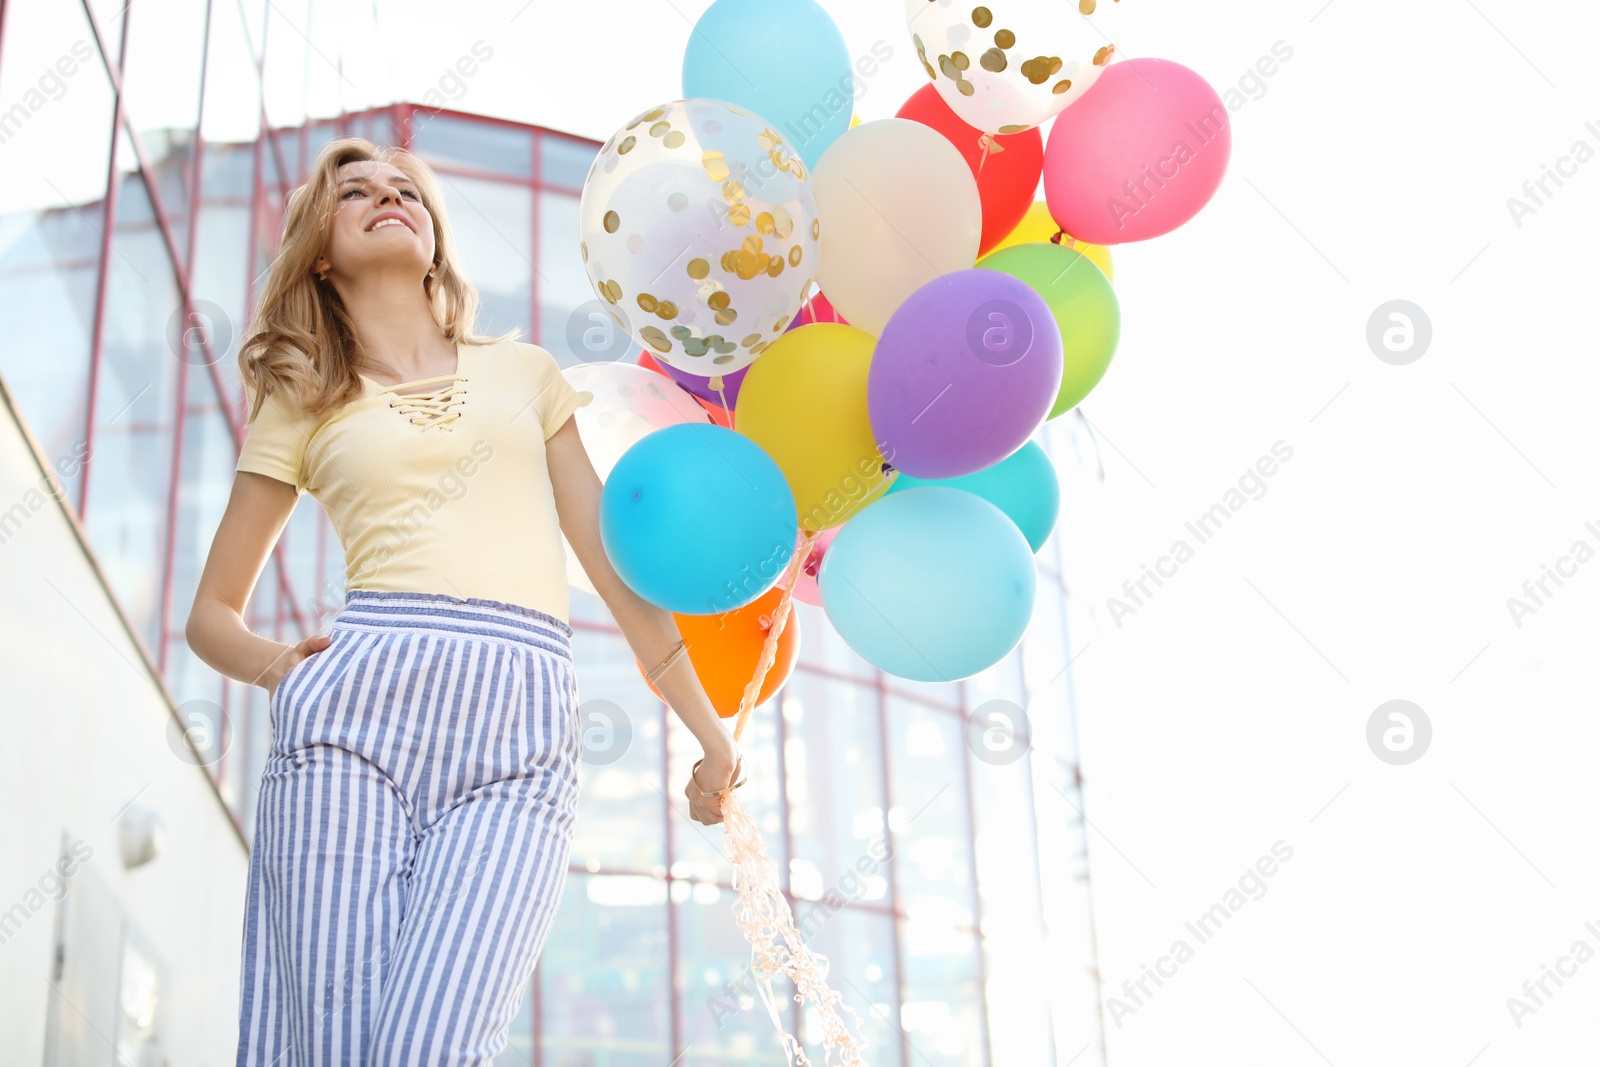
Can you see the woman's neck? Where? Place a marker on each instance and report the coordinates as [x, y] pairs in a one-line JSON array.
[[397, 331]]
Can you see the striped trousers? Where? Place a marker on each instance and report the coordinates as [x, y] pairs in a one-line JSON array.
[[412, 834]]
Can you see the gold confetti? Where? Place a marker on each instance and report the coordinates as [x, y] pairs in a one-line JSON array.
[[982, 17], [1005, 39], [698, 268], [782, 222], [732, 192], [715, 164], [674, 139], [726, 316], [794, 256], [993, 60], [656, 339], [612, 221], [718, 301], [1062, 86], [1086, 7], [764, 223], [739, 214], [1102, 57], [627, 145], [667, 310], [751, 339], [775, 266], [647, 303], [660, 128]]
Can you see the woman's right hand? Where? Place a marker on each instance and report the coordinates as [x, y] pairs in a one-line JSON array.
[[291, 655]]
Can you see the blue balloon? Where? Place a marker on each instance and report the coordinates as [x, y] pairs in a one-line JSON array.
[[698, 519], [783, 59], [931, 583], [1023, 485]]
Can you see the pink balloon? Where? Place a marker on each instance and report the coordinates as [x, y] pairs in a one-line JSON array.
[[805, 585], [1138, 155]]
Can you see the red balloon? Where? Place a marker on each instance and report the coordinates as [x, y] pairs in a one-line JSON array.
[[1007, 179], [648, 362]]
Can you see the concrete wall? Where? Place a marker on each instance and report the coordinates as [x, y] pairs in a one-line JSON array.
[[88, 741]]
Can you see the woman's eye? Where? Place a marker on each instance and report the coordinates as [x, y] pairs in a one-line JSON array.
[[410, 193], [348, 193]]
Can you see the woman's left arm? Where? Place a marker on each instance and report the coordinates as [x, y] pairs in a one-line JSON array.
[[650, 631]]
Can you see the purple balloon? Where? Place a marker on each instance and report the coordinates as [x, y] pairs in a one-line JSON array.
[[701, 387], [966, 370]]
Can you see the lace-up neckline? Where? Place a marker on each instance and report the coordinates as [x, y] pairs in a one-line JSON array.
[[437, 406]]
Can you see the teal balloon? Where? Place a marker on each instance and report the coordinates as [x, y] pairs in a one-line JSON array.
[[931, 583], [783, 59], [1023, 485], [698, 519]]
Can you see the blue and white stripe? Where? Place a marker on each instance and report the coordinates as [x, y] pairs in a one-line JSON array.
[[412, 834]]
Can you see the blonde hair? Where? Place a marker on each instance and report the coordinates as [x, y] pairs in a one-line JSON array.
[[301, 339]]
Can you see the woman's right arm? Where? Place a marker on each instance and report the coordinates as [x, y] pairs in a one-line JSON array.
[[258, 510]]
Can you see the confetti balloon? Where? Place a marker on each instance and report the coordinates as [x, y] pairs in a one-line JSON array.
[[1010, 65], [700, 233]]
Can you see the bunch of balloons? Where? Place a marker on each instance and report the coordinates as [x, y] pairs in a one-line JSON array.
[[851, 331]]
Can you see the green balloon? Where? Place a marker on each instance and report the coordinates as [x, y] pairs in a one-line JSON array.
[[1085, 307]]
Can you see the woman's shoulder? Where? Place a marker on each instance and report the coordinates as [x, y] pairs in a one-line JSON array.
[[523, 355]]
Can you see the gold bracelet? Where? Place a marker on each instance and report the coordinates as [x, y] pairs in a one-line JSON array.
[[671, 658], [738, 767]]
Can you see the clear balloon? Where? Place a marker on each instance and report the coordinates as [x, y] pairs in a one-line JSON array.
[[629, 402], [901, 209], [1006, 66], [700, 232]]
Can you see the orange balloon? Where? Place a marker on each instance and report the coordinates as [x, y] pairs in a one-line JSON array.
[[726, 648]]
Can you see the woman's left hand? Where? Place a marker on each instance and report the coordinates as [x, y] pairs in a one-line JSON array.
[[716, 772]]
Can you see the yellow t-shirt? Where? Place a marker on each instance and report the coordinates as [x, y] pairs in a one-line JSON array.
[[447, 492]]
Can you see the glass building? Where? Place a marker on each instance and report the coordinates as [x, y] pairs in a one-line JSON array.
[[145, 156]]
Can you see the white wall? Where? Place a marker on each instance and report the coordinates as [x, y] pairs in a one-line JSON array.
[[84, 730]]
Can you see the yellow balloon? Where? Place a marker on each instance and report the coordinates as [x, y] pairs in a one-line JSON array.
[[1037, 226], [804, 401], [855, 120]]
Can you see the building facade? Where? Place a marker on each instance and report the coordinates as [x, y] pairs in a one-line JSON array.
[[145, 158]]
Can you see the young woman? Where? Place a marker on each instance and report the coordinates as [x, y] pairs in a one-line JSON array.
[[416, 809]]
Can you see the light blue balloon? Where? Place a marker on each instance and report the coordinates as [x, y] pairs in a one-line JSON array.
[[783, 59], [698, 519], [1023, 485], [931, 583]]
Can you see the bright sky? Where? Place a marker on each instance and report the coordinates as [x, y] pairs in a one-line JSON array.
[[1230, 711]]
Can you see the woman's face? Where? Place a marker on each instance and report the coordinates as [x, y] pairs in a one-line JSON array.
[[380, 225]]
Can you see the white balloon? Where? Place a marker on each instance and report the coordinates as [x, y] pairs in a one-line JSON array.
[[899, 208], [700, 233], [629, 402], [1006, 66]]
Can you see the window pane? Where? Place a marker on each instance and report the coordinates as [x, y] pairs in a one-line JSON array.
[[942, 1013], [603, 976], [565, 161], [563, 282], [859, 947], [932, 840], [721, 1020], [493, 226], [134, 415], [622, 824], [487, 146], [834, 770], [161, 97]]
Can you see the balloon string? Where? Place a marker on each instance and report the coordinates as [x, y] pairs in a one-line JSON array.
[[769, 648], [760, 909]]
